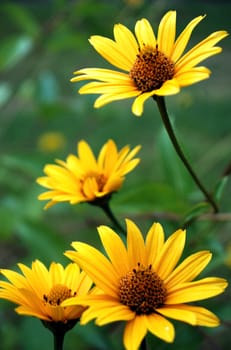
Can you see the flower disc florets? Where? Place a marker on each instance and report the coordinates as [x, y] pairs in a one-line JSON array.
[[151, 69], [142, 290], [58, 294]]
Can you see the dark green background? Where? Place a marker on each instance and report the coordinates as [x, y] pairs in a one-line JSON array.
[[42, 43]]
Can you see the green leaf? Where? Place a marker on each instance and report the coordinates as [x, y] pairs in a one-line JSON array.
[[5, 92], [13, 50], [220, 187], [150, 197], [196, 212], [22, 18], [173, 169]]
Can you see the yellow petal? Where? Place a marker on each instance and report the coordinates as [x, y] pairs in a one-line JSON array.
[[166, 33], [107, 98], [138, 104], [192, 76], [108, 157], [201, 51], [114, 313], [86, 156], [38, 277], [11, 293], [56, 312], [170, 254], [154, 242], [111, 51], [90, 188], [83, 285], [71, 275], [135, 331], [145, 34], [115, 249], [170, 87], [126, 168], [204, 317], [160, 327], [106, 88], [23, 310], [178, 312], [198, 290], [130, 155], [183, 39], [96, 265], [102, 307], [188, 269], [126, 41], [74, 165], [56, 273], [15, 278], [105, 75], [135, 245]]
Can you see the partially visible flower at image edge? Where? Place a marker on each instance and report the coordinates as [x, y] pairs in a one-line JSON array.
[[39, 291], [154, 65], [142, 284], [83, 178]]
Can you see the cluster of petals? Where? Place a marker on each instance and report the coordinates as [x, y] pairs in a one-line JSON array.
[[85, 178], [122, 53], [31, 288], [163, 256]]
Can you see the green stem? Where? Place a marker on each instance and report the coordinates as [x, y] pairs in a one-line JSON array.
[[59, 330], [165, 118], [107, 210], [58, 340]]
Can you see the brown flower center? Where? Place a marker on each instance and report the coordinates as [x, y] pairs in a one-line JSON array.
[[151, 69], [58, 294], [142, 290]]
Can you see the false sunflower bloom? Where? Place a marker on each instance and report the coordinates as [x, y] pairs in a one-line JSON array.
[[39, 291], [154, 65], [84, 178], [142, 284]]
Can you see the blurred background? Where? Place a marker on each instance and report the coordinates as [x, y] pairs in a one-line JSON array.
[[42, 118]]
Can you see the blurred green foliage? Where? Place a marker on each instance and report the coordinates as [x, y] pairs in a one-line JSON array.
[[42, 43]]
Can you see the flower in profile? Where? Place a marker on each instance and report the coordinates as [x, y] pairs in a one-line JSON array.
[[39, 291], [84, 178], [154, 65], [142, 284]]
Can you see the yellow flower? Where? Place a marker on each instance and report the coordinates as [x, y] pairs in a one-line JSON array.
[[39, 291], [142, 284], [85, 178], [51, 141], [154, 65]]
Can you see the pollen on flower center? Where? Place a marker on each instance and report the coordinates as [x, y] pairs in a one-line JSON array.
[[151, 69], [58, 294], [142, 290]]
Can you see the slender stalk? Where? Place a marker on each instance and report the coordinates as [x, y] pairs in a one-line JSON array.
[[59, 330], [58, 340], [107, 210], [165, 118]]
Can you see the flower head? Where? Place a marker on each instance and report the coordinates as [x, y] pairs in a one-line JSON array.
[[39, 291], [142, 284], [155, 65], [84, 178]]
